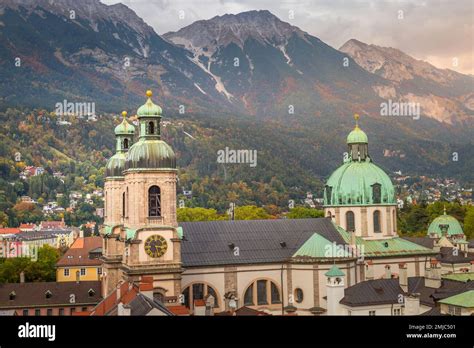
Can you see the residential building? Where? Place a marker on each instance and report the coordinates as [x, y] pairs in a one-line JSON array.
[[81, 262]]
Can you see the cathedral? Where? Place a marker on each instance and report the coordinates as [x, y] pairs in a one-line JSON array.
[[277, 267]]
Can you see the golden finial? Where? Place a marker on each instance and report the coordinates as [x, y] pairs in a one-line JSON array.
[[149, 93], [356, 118], [124, 114], [444, 209]]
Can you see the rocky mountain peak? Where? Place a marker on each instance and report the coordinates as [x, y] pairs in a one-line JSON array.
[[222, 30]]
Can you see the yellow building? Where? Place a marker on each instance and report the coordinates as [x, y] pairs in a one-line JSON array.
[[81, 262]]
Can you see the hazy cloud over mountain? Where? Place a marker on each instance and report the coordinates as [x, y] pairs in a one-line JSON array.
[[438, 31]]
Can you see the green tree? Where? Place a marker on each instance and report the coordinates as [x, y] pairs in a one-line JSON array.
[[251, 212], [469, 223], [304, 212], [43, 269], [197, 214]]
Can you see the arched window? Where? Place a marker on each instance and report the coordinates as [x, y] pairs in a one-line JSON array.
[[350, 221], [154, 201], [262, 292], [298, 295], [376, 193], [125, 143], [199, 291], [377, 228], [123, 204], [151, 127]]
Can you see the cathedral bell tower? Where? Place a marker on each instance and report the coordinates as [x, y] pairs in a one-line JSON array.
[[114, 208], [152, 246]]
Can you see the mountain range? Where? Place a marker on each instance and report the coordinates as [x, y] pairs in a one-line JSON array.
[[248, 67]]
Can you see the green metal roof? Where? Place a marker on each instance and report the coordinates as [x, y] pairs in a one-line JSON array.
[[179, 230], [459, 241], [465, 299], [130, 233], [150, 153], [357, 136], [107, 230], [453, 225], [124, 128], [149, 109], [460, 277], [319, 247], [386, 247], [334, 272], [115, 165], [352, 184]]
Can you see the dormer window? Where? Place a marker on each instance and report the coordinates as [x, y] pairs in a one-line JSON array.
[[48, 294], [12, 295], [376, 193], [91, 292], [328, 194]]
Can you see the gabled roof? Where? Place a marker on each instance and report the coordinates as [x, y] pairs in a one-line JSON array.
[[426, 241], [388, 291], [142, 305], [373, 292], [34, 294], [258, 241], [124, 293], [78, 253], [454, 256], [465, 299], [317, 247], [460, 277], [8, 230]]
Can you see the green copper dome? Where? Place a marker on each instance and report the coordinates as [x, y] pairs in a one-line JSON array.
[[359, 181], [150, 154], [445, 223], [124, 128], [334, 272], [357, 136], [115, 165], [149, 108]]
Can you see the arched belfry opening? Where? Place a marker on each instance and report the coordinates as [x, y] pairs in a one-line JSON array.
[[154, 201]]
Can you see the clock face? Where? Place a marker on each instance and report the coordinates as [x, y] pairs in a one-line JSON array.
[[155, 246]]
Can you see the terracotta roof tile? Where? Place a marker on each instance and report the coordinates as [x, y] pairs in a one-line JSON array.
[[78, 253], [179, 310]]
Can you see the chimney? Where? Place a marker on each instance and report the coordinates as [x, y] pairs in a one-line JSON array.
[[388, 272], [433, 275], [123, 310], [146, 286], [369, 270], [403, 277], [22, 277], [412, 304]]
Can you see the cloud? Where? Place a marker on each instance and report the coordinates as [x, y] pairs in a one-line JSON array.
[[438, 31]]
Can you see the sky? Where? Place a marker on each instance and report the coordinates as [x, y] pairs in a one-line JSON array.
[[438, 31]]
